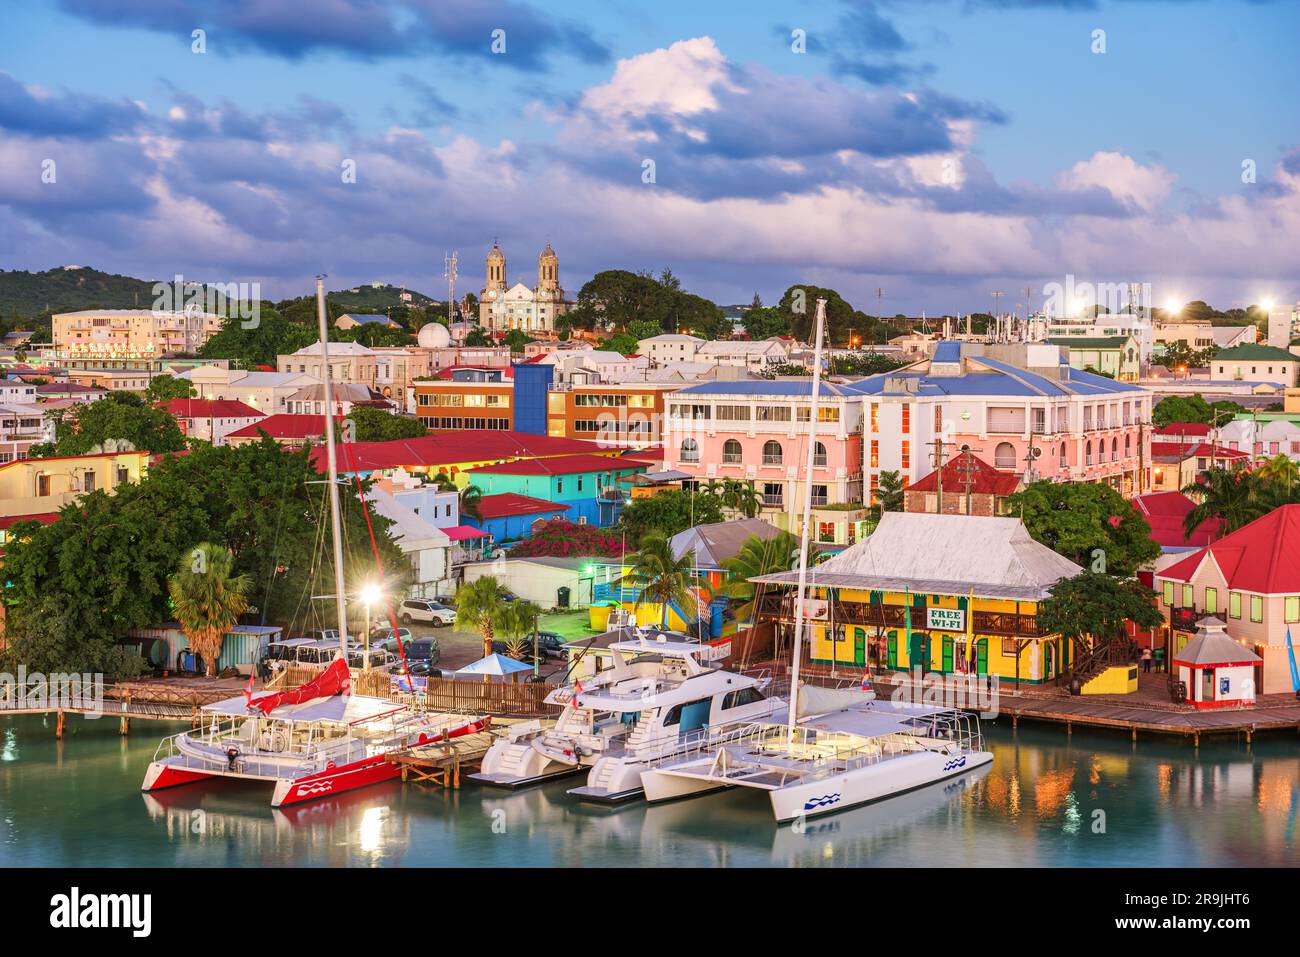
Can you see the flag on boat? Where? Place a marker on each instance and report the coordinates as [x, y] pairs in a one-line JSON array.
[[336, 679], [1290, 653], [866, 681]]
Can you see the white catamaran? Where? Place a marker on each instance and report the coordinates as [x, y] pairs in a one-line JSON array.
[[317, 740], [660, 697], [832, 752]]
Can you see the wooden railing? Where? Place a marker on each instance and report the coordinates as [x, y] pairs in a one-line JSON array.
[[490, 697], [875, 614]]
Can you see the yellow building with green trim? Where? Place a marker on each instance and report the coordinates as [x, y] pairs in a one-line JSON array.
[[954, 594]]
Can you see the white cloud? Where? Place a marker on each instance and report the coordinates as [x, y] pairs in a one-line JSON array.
[[1121, 176]]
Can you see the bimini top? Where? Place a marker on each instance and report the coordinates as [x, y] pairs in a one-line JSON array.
[[874, 720], [337, 709]]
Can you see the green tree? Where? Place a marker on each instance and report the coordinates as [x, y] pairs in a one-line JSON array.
[[517, 621], [757, 557], [516, 339], [664, 579], [766, 321], [477, 336], [1076, 519], [118, 416], [1093, 609], [889, 494], [1237, 497], [164, 388], [670, 511], [208, 598], [376, 425], [470, 499], [742, 497], [482, 604]]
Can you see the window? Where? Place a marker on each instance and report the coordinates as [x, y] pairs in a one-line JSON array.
[[907, 419], [875, 453], [819, 456], [1211, 600], [875, 417], [1188, 599], [42, 484], [690, 450], [1169, 594], [735, 699], [906, 462], [819, 496], [1065, 459], [1004, 456], [826, 532], [772, 454], [1256, 608], [731, 452], [772, 413], [559, 486], [733, 413], [1114, 450], [773, 494], [1234, 604], [579, 483], [1087, 453], [1291, 608]]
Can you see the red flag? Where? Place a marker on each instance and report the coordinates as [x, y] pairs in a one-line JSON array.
[[577, 690], [336, 679], [248, 695]]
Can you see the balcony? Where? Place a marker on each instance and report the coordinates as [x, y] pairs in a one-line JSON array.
[[731, 458], [819, 461], [773, 501], [773, 460]]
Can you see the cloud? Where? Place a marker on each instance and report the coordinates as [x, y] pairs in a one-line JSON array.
[[39, 112], [366, 29], [1144, 187]]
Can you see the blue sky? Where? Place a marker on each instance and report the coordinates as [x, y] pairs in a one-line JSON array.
[[939, 149]]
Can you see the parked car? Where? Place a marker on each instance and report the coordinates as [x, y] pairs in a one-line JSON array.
[[386, 639], [424, 649], [426, 609]]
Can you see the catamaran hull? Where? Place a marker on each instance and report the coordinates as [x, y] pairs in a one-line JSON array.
[[871, 783], [661, 785]]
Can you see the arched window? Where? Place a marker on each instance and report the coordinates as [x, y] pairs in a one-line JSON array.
[[1065, 460], [1087, 453], [1004, 456], [819, 456], [1114, 450], [772, 454], [731, 451], [1128, 446], [690, 450]]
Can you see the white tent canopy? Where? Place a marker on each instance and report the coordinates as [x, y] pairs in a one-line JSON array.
[[494, 664]]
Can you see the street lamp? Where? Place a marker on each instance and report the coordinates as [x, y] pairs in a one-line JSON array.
[[369, 595]]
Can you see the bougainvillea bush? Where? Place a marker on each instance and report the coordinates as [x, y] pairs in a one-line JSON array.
[[560, 539]]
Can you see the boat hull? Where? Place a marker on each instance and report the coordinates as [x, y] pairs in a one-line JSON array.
[[874, 782]]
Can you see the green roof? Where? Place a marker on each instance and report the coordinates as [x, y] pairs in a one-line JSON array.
[[1253, 350], [1084, 342]]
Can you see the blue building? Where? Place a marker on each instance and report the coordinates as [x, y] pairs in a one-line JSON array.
[[508, 517], [532, 383], [587, 484]]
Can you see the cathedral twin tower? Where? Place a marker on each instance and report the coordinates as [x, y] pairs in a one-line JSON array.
[[502, 307]]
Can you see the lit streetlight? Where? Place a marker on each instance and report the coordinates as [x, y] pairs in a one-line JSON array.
[[370, 594]]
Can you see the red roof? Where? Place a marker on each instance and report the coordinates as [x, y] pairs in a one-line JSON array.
[[1177, 452], [285, 426], [449, 449], [45, 518], [211, 409], [985, 479], [1259, 557], [1165, 511], [509, 504], [459, 533], [1199, 429], [560, 465]]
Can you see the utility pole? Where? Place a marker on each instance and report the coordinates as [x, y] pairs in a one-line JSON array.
[[938, 444], [997, 297], [449, 273], [967, 470]]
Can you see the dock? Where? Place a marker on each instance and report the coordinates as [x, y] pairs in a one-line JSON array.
[[162, 699], [442, 763]]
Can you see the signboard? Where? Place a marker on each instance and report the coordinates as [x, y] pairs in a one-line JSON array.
[[946, 619]]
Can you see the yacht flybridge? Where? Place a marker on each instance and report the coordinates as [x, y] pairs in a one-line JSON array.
[[660, 697]]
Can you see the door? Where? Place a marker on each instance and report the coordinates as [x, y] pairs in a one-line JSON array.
[[891, 651], [919, 652], [947, 654], [860, 647], [982, 656]]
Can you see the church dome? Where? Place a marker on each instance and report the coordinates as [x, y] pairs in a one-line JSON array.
[[433, 335], [496, 255], [547, 254]]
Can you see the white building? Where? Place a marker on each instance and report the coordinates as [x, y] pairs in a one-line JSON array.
[[670, 347], [594, 367], [348, 362], [22, 425], [755, 356], [1104, 326], [534, 310], [16, 390], [1262, 439], [268, 392]]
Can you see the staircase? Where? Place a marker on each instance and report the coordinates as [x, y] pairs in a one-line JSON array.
[[643, 732], [600, 774], [1092, 661]]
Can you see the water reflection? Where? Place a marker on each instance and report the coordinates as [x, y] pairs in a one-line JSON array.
[[1047, 799]]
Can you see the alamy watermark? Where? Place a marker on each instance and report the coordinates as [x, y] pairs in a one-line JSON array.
[[241, 300], [36, 691]]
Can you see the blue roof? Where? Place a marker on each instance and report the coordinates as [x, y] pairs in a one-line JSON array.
[[365, 317], [947, 352], [784, 387], [1003, 379]]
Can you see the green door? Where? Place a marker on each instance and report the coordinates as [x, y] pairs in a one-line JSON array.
[[919, 652], [891, 650], [860, 646], [982, 656], [947, 654]]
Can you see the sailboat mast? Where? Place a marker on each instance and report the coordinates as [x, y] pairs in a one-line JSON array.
[[807, 519], [331, 457]]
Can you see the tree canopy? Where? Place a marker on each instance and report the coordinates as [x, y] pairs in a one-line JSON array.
[[1093, 604], [253, 499], [118, 416], [164, 388], [670, 511], [1078, 518], [616, 299], [1192, 408], [376, 425]]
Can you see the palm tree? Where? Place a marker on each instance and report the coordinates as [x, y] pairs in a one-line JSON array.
[[470, 497], [1233, 497], [517, 625], [889, 494], [742, 497], [1279, 469], [756, 558], [662, 577], [208, 598], [482, 604]]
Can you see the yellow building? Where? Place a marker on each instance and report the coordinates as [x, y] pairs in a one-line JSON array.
[[954, 594], [43, 486]]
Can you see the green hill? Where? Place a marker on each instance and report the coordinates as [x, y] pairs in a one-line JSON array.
[[65, 289]]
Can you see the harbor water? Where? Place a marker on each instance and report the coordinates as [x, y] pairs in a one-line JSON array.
[[1047, 800]]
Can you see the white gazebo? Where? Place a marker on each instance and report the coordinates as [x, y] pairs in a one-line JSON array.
[[1217, 671]]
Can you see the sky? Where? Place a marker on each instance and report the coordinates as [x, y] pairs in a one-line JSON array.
[[915, 155]]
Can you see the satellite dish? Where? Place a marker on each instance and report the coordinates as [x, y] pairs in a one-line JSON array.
[[1035, 453]]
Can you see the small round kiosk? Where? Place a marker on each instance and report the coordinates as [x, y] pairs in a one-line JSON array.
[[1217, 671]]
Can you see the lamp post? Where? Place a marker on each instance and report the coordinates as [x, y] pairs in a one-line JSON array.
[[370, 594]]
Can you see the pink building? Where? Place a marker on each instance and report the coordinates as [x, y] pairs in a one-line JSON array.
[[757, 431], [1019, 407]]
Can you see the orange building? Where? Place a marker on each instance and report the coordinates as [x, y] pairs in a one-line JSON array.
[[625, 415], [447, 406]]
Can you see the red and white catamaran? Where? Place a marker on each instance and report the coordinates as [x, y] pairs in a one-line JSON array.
[[310, 742], [319, 739]]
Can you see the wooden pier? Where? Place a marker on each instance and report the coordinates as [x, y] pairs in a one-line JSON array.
[[443, 762], [147, 699]]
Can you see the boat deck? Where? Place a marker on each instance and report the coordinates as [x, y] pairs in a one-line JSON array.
[[444, 762]]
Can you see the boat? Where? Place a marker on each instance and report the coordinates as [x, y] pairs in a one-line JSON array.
[[662, 694], [317, 740], [832, 752]]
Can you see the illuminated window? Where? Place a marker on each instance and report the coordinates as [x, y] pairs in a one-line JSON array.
[[875, 454], [1292, 608], [907, 419], [907, 454], [875, 417], [1211, 600], [1256, 608], [1169, 594], [1188, 599], [1234, 604]]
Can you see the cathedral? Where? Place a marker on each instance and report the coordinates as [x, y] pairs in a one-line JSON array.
[[519, 307]]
